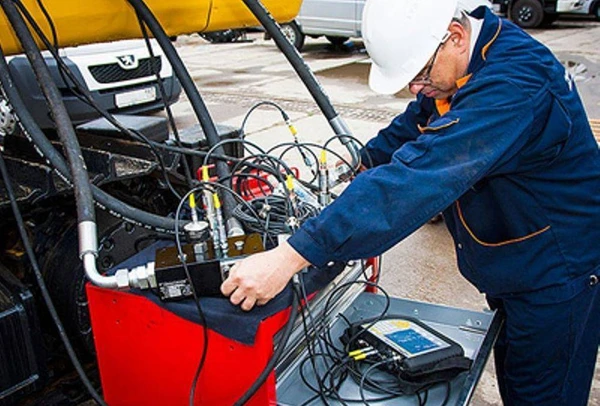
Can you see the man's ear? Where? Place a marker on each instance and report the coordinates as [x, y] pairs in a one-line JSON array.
[[459, 36]]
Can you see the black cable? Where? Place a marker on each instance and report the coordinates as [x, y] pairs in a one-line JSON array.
[[341, 138], [331, 374], [373, 320], [50, 22], [288, 122], [309, 340], [256, 106], [275, 210], [220, 144], [268, 369], [422, 401], [302, 148], [183, 260], [365, 375], [341, 366], [290, 146], [193, 152], [447, 397], [42, 285], [163, 95], [266, 163], [241, 185]]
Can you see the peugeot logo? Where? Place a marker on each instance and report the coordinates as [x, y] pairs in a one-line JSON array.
[[127, 62]]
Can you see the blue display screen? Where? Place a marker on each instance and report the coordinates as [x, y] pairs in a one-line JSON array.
[[411, 341]]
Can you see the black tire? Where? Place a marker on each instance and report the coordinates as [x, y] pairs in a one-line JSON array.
[[293, 33], [527, 13], [337, 41], [596, 11], [65, 279], [549, 19], [221, 37]]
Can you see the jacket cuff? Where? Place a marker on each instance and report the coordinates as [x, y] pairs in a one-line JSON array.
[[367, 159], [306, 246]]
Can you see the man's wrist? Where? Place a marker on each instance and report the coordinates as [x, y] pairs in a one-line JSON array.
[[294, 261]]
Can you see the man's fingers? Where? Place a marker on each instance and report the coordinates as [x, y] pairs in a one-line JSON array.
[[237, 297], [229, 285], [248, 304]]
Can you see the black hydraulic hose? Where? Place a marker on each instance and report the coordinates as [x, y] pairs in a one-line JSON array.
[[66, 133], [55, 159], [190, 89], [293, 57], [43, 288], [305, 74], [285, 335]]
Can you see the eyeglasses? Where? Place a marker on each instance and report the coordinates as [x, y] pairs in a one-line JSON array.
[[423, 78]]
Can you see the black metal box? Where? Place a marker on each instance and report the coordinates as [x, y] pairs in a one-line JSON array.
[[22, 368]]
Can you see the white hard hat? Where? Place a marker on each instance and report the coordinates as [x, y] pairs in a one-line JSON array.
[[470, 5], [401, 36]]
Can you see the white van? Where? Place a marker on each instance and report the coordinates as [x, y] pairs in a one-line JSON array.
[[338, 20], [120, 77]]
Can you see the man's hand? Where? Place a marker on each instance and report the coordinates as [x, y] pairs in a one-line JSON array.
[[259, 277], [345, 173]]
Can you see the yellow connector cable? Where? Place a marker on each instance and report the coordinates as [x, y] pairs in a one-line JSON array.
[[323, 159], [291, 127], [289, 182], [205, 176], [216, 200]]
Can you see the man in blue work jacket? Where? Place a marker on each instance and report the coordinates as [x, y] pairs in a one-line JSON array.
[[498, 140]]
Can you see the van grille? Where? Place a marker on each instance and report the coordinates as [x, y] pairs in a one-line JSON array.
[[112, 72]]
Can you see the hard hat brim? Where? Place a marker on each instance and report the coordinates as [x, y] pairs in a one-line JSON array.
[[383, 83]]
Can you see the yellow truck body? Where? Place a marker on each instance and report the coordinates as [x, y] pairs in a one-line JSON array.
[[86, 21]]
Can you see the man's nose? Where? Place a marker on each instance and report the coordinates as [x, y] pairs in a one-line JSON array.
[[415, 88]]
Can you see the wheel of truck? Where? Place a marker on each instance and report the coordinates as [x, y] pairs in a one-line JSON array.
[[549, 19], [221, 37], [64, 276], [293, 33], [337, 41], [596, 11], [527, 13]]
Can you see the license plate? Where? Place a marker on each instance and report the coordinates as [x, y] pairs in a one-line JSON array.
[[134, 97]]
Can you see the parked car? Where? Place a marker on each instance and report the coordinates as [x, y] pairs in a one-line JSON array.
[[119, 75], [535, 13], [590, 7], [337, 20]]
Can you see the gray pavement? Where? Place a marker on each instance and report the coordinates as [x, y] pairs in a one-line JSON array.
[[233, 77]]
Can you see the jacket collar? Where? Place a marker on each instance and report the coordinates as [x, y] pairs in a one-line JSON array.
[[490, 30], [492, 25]]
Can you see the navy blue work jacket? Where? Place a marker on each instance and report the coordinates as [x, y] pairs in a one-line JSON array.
[[511, 162]]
